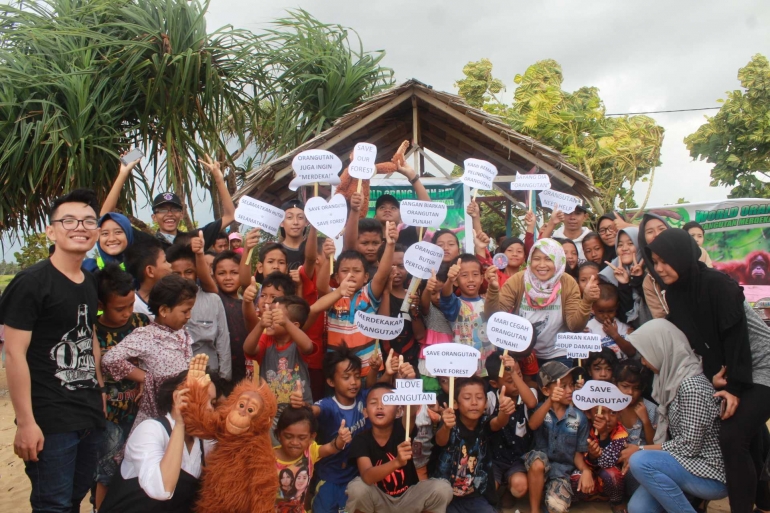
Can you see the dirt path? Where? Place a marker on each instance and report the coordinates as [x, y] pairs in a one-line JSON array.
[[14, 485]]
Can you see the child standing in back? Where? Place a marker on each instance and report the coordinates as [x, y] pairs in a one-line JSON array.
[[464, 311], [225, 270], [561, 439], [115, 289], [600, 365], [606, 324], [297, 455]]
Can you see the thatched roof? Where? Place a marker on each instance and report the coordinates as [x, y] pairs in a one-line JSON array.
[[445, 124]]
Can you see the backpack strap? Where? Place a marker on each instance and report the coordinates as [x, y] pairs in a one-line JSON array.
[[165, 423]]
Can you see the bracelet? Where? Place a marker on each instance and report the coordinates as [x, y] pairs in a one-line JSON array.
[[413, 180], [334, 443]]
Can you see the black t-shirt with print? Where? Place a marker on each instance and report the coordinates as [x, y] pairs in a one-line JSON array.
[[365, 446], [61, 315], [294, 257]]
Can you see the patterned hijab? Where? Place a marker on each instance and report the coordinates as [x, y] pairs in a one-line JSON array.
[[540, 293]]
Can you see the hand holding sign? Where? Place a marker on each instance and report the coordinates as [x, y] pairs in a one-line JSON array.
[[315, 166], [600, 393], [327, 217]]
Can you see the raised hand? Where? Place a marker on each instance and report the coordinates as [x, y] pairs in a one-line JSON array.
[[636, 269], [592, 291], [196, 375], [556, 218], [251, 240], [348, 286], [179, 405], [391, 364], [405, 169], [509, 362], [197, 244], [404, 453], [375, 361], [432, 285], [391, 233], [493, 283], [480, 241], [506, 406], [558, 392], [328, 248], [620, 273], [294, 274], [529, 221], [405, 369], [267, 316], [126, 169], [212, 166], [279, 317], [344, 434], [296, 398]]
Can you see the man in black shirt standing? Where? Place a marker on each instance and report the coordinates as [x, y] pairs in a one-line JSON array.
[[49, 310]]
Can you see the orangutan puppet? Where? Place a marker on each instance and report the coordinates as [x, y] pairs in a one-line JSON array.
[[239, 474], [348, 185]]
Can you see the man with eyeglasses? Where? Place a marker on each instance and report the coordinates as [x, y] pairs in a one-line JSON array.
[[49, 310], [168, 209]]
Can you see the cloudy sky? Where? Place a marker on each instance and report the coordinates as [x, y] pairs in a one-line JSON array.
[[643, 56]]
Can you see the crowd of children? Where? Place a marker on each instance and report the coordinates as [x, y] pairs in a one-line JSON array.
[[152, 303]]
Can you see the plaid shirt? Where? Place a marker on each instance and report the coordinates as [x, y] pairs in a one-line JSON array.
[[694, 429]]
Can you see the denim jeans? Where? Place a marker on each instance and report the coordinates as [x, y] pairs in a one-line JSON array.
[[64, 471], [663, 483]]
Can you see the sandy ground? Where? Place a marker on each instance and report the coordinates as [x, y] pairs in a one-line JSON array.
[[14, 485]]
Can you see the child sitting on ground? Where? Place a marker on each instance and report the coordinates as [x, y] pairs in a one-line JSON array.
[[605, 323], [355, 293], [388, 479], [297, 455], [464, 312], [115, 289], [561, 439], [511, 443], [606, 440], [462, 454], [640, 417]]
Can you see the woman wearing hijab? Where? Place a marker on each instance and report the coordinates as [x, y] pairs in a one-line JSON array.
[[627, 273], [709, 307], [685, 456], [545, 295], [115, 235]]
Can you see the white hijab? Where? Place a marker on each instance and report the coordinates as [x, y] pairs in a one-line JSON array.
[[666, 348]]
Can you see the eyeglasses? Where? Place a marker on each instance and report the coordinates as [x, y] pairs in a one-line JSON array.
[[168, 210], [70, 223], [604, 231]]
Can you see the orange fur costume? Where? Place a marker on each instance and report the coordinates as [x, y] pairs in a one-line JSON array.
[[348, 184], [239, 475]]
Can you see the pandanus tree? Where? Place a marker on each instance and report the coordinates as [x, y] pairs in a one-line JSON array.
[[83, 80]]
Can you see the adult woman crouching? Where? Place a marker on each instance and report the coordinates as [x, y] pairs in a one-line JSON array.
[[685, 457], [709, 307]]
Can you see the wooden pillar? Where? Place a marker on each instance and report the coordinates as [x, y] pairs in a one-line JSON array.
[[415, 134], [508, 218]]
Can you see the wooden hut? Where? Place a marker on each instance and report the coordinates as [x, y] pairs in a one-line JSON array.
[[441, 122]]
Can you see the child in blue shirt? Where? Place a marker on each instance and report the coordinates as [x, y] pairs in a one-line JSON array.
[[464, 311], [561, 439]]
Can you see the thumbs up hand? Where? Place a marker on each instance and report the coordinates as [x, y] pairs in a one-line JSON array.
[[391, 364], [296, 399], [507, 406], [250, 294], [267, 317], [344, 433], [592, 291], [198, 243], [405, 370]]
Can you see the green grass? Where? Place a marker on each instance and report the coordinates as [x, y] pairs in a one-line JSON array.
[[5, 279]]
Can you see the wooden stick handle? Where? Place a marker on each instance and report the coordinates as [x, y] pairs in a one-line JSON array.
[[419, 238], [331, 264], [358, 188], [502, 367], [248, 257], [315, 189], [451, 391], [475, 191], [408, 418]]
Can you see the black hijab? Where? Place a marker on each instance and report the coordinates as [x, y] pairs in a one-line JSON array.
[[610, 253], [707, 306]]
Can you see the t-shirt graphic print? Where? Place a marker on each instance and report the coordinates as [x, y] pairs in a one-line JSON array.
[[74, 355]]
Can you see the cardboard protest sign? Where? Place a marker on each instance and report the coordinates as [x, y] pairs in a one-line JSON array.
[[260, 215], [362, 166], [600, 393], [380, 327], [315, 166], [479, 174], [327, 217], [540, 182], [578, 345], [408, 392], [453, 360], [422, 258], [429, 214], [555, 199], [509, 331], [338, 243]]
